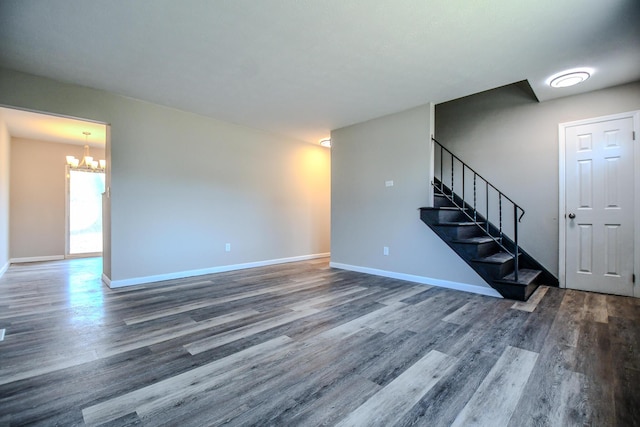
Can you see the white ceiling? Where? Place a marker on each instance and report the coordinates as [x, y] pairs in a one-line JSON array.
[[304, 67]]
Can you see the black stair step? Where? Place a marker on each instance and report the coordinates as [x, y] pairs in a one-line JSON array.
[[455, 224], [440, 215], [475, 240], [441, 200], [497, 258], [450, 230], [474, 247], [444, 208], [525, 277]]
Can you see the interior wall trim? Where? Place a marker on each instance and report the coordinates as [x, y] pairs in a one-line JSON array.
[[4, 268], [200, 272], [481, 290], [37, 259], [106, 280]]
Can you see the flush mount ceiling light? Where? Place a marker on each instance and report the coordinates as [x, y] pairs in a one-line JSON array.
[[569, 77], [326, 142]]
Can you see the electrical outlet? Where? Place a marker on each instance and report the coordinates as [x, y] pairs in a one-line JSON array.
[[227, 247], [388, 183], [385, 250]]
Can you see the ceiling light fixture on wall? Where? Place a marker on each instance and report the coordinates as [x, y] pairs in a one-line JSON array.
[[569, 77], [87, 162], [326, 142]]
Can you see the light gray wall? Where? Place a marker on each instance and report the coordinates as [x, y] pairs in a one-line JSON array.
[[5, 153], [512, 140], [183, 185], [366, 215], [38, 203]]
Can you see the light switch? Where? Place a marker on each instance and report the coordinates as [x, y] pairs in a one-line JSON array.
[[388, 183]]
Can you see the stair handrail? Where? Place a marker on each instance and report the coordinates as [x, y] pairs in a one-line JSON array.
[[452, 198]]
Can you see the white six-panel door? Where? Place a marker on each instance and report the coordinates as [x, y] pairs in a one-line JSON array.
[[599, 217]]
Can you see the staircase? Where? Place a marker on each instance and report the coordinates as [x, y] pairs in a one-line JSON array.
[[463, 216]]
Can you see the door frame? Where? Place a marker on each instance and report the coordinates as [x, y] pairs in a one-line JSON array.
[[635, 116], [67, 219]]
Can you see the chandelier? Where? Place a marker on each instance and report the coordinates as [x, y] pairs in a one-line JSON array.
[[86, 162]]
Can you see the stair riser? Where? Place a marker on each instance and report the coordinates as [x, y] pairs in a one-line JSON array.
[[458, 232], [520, 293], [495, 271], [442, 202], [437, 216]]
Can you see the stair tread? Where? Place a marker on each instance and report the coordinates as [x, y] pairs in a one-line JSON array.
[[443, 208], [497, 258], [455, 223], [475, 240], [526, 276]]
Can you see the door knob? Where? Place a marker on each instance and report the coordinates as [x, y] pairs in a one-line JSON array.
[[572, 215]]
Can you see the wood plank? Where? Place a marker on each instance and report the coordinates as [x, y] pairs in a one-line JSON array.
[[532, 303], [625, 351], [497, 396], [441, 405], [245, 331], [595, 361], [462, 315], [127, 403], [393, 401], [558, 395], [596, 308], [534, 331]]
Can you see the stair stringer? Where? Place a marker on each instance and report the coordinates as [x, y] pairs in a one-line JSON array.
[[546, 276], [485, 256]]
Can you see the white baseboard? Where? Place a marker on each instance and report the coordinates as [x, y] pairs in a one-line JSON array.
[[4, 268], [106, 280], [37, 259], [190, 273], [420, 279]]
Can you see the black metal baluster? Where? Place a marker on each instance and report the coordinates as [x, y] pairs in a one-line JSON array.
[[441, 181], [486, 193], [515, 240], [500, 213], [475, 212], [463, 199], [452, 194]]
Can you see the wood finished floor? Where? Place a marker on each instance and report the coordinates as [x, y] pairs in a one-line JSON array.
[[303, 344]]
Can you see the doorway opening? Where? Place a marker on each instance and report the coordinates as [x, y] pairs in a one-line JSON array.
[[37, 202]]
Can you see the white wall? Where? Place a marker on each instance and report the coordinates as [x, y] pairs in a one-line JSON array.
[[183, 185], [512, 140], [366, 215], [5, 154], [38, 203]]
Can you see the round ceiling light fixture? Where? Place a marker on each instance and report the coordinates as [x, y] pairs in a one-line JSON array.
[[326, 142], [569, 77]]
